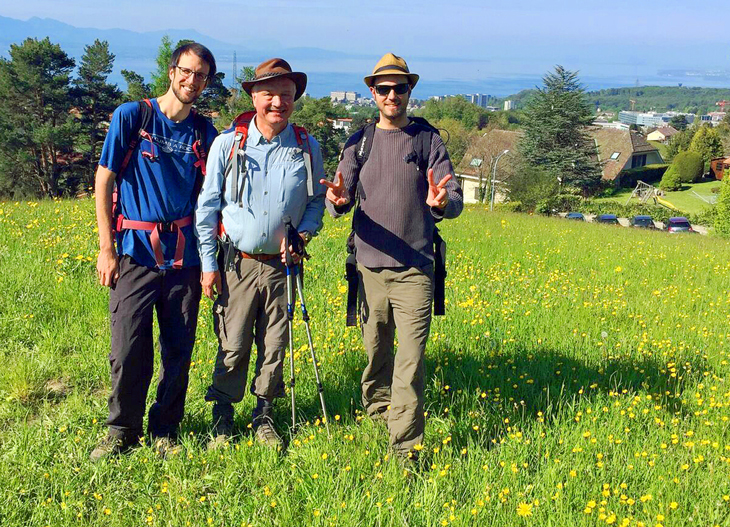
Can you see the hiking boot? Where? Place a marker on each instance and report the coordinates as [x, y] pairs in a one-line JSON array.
[[165, 446], [110, 446], [222, 425], [265, 432]]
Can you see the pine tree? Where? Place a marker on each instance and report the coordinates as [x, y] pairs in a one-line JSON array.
[[38, 129], [160, 77], [215, 96], [555, 132], [137, 88], [95, 99]]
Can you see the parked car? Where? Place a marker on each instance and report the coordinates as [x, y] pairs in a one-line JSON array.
[[678, 224], [643, 222], [609, 219], [575, 216]]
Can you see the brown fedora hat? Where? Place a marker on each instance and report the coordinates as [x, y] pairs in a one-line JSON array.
[[390, 64], [272, 68]]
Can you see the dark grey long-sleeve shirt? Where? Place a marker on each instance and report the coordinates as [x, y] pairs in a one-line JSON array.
[[393, 225]]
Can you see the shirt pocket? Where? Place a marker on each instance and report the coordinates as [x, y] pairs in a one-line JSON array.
[[292, 182]]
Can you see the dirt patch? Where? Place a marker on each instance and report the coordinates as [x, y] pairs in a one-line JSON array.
[[57, 388]]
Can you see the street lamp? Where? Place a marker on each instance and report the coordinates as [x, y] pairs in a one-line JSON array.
[[494, 180]]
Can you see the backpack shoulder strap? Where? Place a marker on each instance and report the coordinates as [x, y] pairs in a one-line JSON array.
[[200, 149], [240, 127], [200, 145], [365, 144], [144, 116], [422, 142], [303, 142]]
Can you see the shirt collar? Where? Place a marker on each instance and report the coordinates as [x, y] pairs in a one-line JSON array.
[[257, 138]]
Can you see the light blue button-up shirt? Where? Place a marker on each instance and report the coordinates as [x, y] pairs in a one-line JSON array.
[[274, 186]]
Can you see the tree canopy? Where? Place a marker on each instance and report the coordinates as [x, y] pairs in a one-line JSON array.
[[555, 132], [95, 99], [36, 123]]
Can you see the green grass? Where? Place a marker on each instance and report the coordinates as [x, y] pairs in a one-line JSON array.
[[683, 200], [579, 377], [686, 201], [661, 147]]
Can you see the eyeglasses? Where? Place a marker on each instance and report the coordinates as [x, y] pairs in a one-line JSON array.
[[187, 72], [384, 89]]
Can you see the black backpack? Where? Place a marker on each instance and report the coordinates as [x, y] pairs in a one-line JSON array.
[[420, 156]]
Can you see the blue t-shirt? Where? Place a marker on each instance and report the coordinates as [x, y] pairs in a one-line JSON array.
[[155, 190]]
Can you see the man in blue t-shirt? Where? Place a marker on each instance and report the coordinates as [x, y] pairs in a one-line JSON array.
[[155, 152]]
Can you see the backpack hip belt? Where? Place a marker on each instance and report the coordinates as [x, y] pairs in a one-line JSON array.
[[155, 228]]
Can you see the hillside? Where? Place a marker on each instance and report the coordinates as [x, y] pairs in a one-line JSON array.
[[579, 378], [656, 98]]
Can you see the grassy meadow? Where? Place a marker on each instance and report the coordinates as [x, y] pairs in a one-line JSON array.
[[684, 200], [578, 379]]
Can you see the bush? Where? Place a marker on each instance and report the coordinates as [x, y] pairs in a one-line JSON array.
[[705, 217], [671, 179], [559, 203], [689, 165], [509, 206], [628, 211], [722, 209], [647, 174]]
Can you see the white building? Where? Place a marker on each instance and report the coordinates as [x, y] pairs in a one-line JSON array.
[[344, 96], [508, 105]]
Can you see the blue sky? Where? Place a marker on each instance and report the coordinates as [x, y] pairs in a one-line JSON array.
[[426, 27], [612, 40]]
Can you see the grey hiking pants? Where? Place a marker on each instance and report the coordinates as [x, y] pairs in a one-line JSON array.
[[251, 307]]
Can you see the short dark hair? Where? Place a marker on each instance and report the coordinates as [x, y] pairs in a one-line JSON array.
[[198, 50]]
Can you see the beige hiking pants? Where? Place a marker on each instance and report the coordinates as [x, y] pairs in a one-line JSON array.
[[393, 300]]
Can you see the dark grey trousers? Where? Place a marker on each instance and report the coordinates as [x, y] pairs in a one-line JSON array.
[[175, 295]]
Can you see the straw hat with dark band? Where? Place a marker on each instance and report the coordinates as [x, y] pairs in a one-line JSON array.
[[274, 68], [391, 64]]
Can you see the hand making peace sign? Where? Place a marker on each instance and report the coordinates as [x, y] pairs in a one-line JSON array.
[[437, 196], [336, 191]]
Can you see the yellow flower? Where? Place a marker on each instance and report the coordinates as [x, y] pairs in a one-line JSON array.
[[524, 509]]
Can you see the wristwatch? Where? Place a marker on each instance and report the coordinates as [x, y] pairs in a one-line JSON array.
[[307, 236]]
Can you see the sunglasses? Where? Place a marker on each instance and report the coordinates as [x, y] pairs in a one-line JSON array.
[[400, 89]]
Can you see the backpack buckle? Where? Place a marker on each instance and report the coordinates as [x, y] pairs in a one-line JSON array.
[[168, 227]]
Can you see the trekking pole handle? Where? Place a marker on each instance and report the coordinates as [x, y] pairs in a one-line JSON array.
[[293, 240]]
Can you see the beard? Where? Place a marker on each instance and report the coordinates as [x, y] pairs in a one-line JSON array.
[[185, 97]]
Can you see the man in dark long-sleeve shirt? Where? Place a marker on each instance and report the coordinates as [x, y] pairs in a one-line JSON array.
[[401, 197]]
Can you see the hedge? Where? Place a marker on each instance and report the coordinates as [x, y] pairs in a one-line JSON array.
[[647, 174]]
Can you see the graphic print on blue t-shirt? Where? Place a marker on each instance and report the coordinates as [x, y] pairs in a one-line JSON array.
[[158, 189]]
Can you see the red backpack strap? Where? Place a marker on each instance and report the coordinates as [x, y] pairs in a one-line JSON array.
[[303, 142], [144, 115], [240, 126], [200, 145]]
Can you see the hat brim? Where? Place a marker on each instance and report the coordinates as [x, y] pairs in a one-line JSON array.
[[299, 78], [412, 77]]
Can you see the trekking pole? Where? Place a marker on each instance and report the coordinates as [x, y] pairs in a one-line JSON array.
[[290, 320], [297, 244], [305, 318]]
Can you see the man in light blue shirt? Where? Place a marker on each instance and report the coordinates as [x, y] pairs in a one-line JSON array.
[[270, 179]]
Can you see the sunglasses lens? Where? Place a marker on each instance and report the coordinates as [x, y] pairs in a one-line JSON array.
[[384, 89]]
